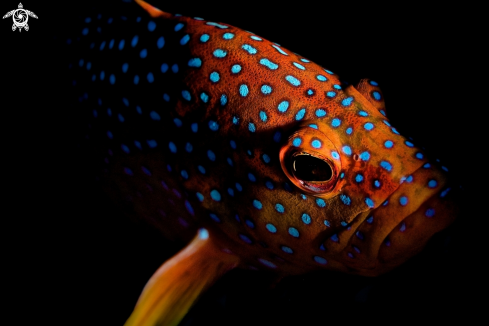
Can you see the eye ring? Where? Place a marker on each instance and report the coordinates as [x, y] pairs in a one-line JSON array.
[[310, 168]]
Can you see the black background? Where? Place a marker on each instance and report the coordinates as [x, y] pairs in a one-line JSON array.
[[69, 257]]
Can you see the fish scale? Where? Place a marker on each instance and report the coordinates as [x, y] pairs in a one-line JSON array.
[[199, 124]]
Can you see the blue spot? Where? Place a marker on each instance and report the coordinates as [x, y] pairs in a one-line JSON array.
[[429, 212], [250, 223], [215, 195], [201, 169], [178, 27], [334, 237], [125, 66], [195, 62], [310, 92], [336, 122], [184, 174], [419, 155], [279, 208], [320, 260], [173, 147], [444, 192], [215, 218], [394, 131], [408, 143], [316, 143], [345, 199], [88, 20], [235, 120], [238, 186], [320, 113], [112, 79], [189, 207], [228, 36], [321, 78], [385, 203], [214, 126], [330, 94], [287, 249], [224, 99], [136, 80], [294, 232], [257, 204], [154, 115], [444, 168], [143, 54], [231, 192], [251, 177], [177, 122], [200, 196], [368, 126], [214, 77], [376, 95], [204, 38], [382, 112], [427, 165], [219, 53], [186, 95], [306, 218], [269, 185], [337, 86], [263, 116], [343, 223], [370, 220], [248, 48], [373, 83], [279, 50], [150, 77], [145, 170], [335, 155], [189, 147], [211, 155], [251, 127], [305, 60], [291, 79], [369, 202], [386, 122], [363, 113], [151, 143], [283, 106], [194, 127], [102, 45], [185, 39], [432, 183], [268, 64], [409, 179], [110, 135], [329, 72], [164, 68], [326, 222], [102, 75], [265, 89], [299, 66], [300, 114], [365, 156], [377, 183], [161, 42], [233, 144], [134, 41], [313, 125], [346, 149], [217, 25], [85, 31], [151, 26], [388, 144], [360, 235], [320, 202], [235, 69], [347, 101], [386, 165], [256, 38], [297, 142], [277, 136], [125, 148], [403, 227], [359, 178], [267, 263], [174, 68], [243, 90], [403, 200], [204, 97], [128, 171]]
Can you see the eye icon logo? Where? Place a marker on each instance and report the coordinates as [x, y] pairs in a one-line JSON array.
[[20, 17]]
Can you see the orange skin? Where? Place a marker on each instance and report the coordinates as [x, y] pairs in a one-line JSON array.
[[350, 241]]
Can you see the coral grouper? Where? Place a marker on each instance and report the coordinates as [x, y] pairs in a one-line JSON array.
[[256, 156]]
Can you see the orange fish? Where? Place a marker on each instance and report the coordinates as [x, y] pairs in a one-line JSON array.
[[274, 164]]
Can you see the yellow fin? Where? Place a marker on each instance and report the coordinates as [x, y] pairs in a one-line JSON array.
[[176, 285], [153, 11]]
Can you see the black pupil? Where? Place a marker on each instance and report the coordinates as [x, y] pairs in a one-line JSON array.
[[310, 168]]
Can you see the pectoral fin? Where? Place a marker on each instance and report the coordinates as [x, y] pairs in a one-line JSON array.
[[176, 285]]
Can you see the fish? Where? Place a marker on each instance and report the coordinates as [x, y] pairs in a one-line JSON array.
[[255, 156]]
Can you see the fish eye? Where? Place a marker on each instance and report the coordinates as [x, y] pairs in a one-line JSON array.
[[306, 167]]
